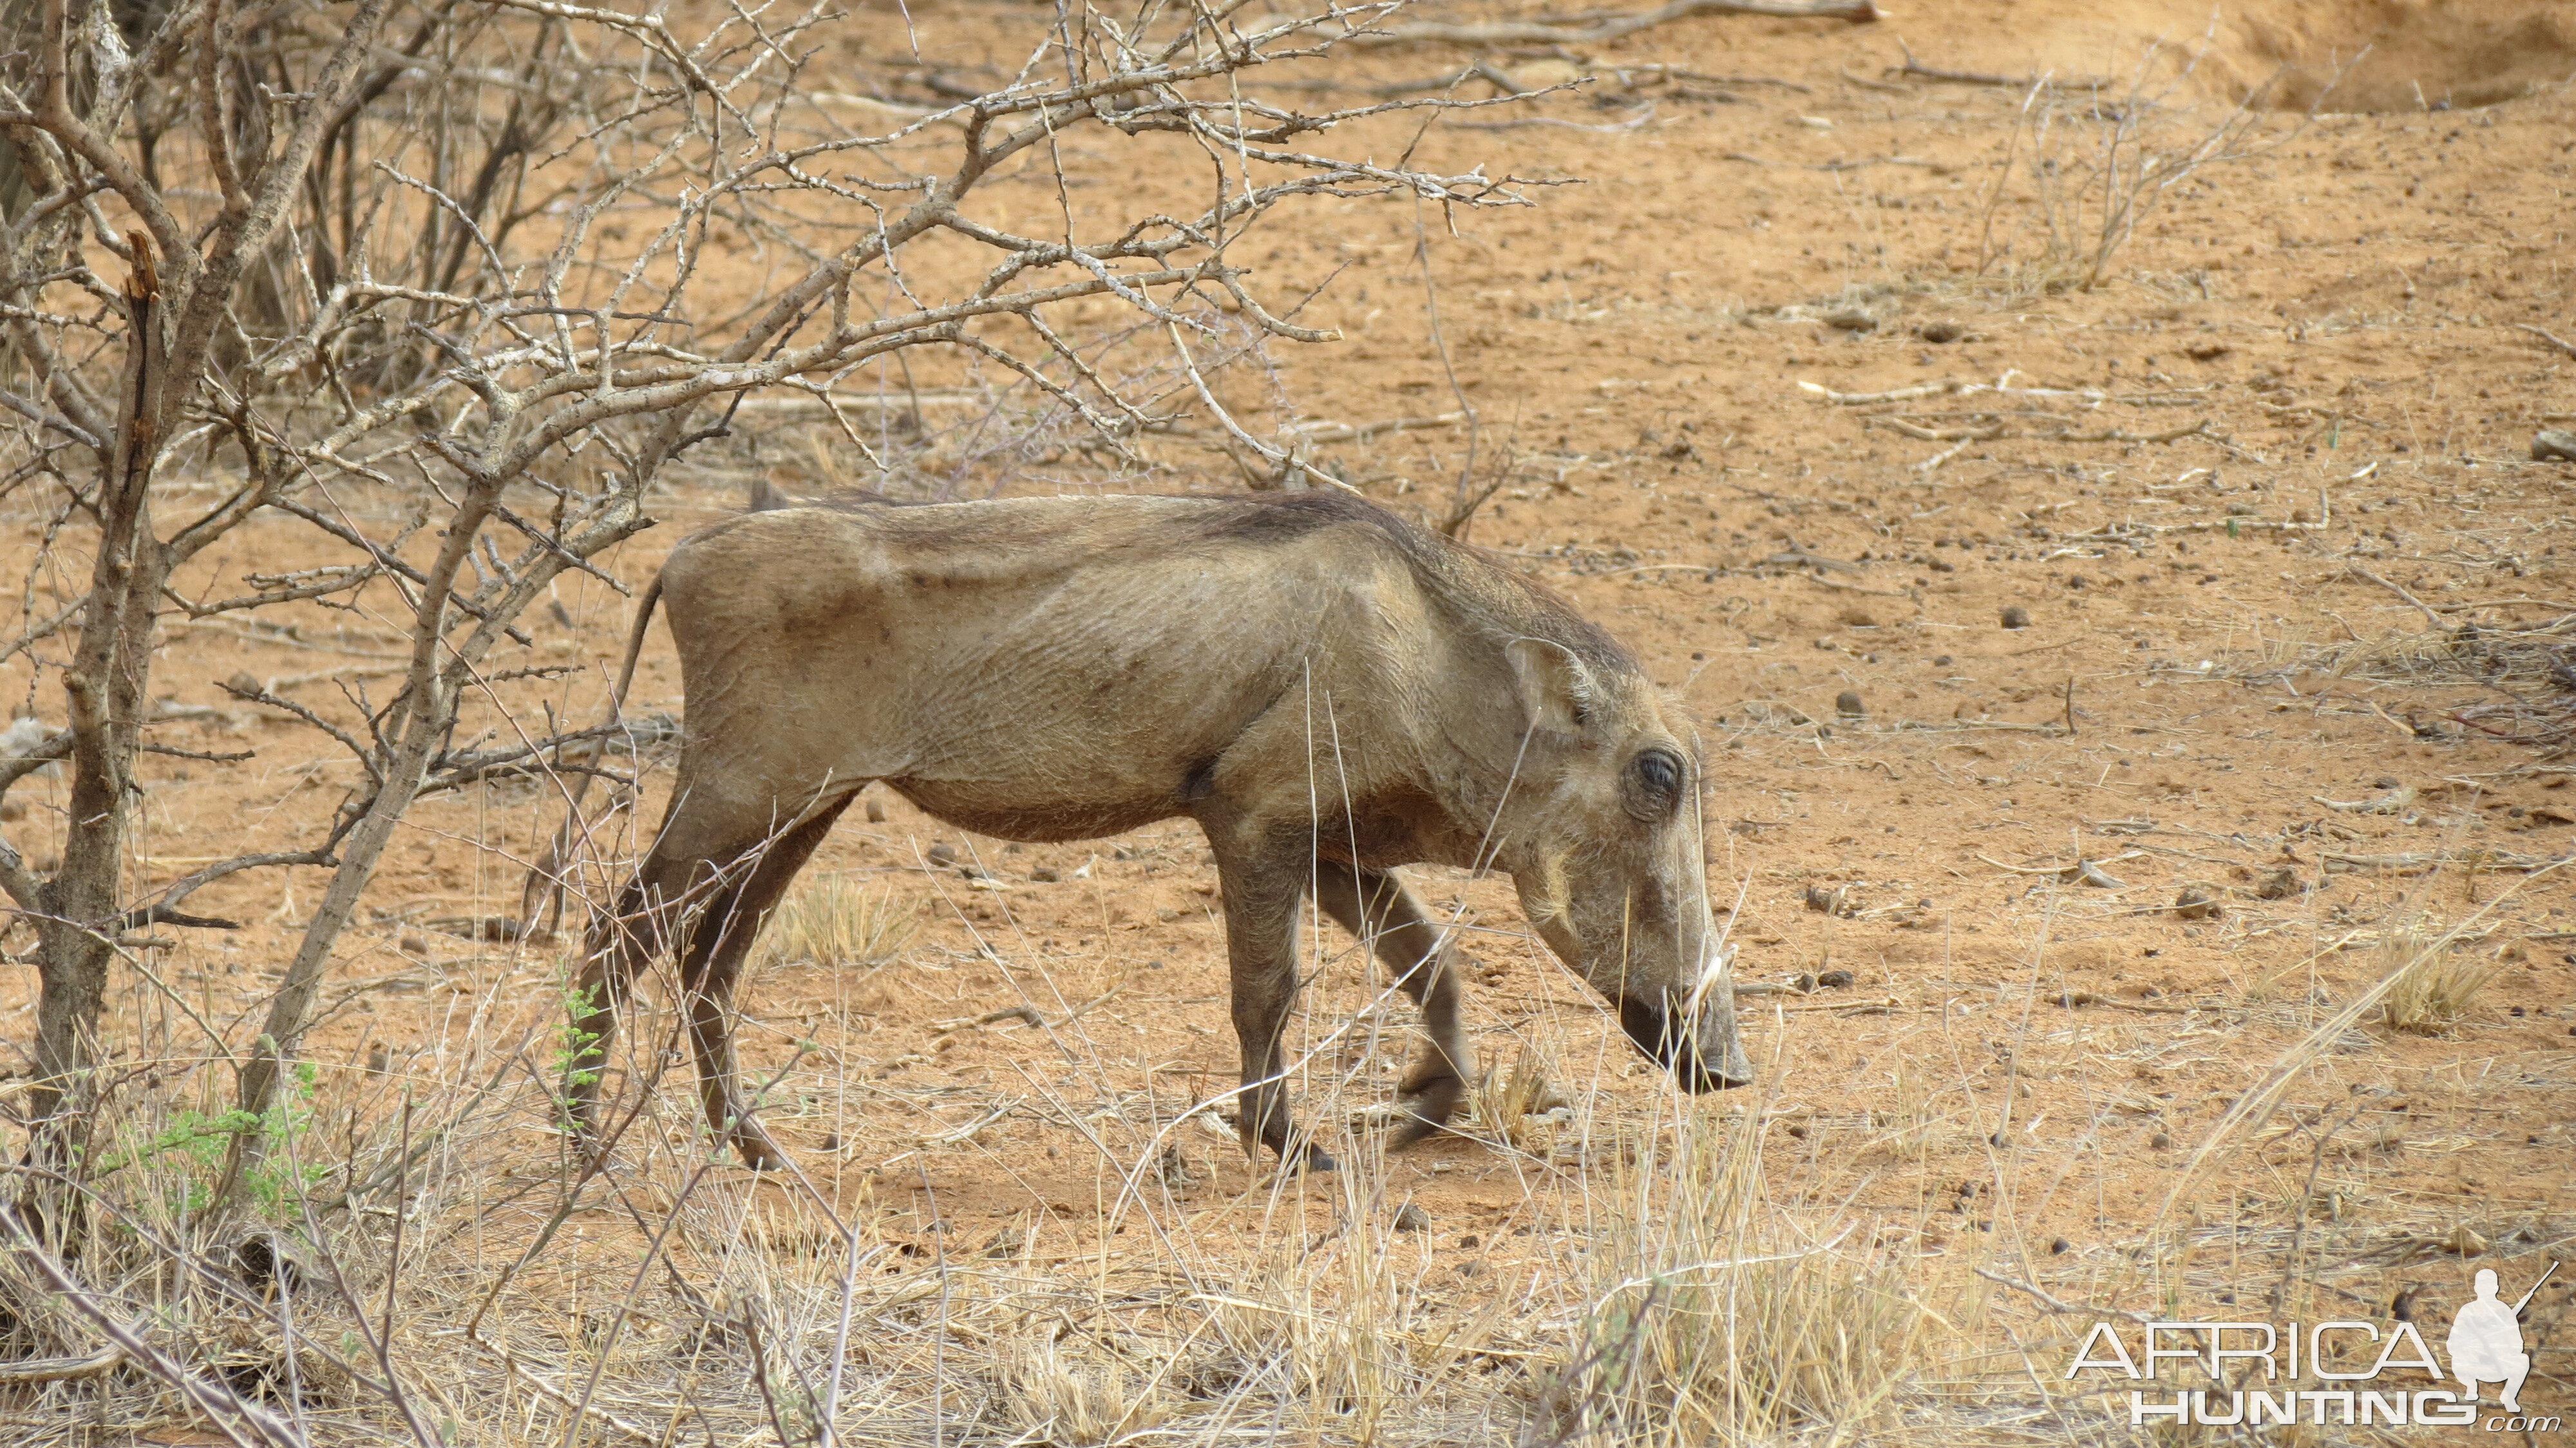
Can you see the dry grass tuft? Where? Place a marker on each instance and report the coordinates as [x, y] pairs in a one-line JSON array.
[[2435, 985], [1044, 1393], [833, 921], [1510, 1106], [1728, 1321]]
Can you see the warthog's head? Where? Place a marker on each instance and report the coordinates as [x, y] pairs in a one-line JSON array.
[[1602, 834]]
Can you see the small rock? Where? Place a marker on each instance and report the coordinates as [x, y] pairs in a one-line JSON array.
[[414, 944], [1802, 983], [2159, 1141], [1410, 1218], [2059, 1246], [1851, 319], [942, 854], [1045, 874], [2016, 616], [2194, 904], [1847, 704], [2281, 884], [876, 811], [1941, 661], [1835, 979], [2553, 447], [1940, 331], [1797, 1129]]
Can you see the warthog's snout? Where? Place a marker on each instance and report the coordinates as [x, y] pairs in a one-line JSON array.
[[1692, 1033], [1703, 1054]]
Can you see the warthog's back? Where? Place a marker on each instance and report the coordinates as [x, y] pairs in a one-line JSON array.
[[1071, 667]]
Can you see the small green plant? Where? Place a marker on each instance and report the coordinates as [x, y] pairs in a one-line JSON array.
[[575, 1062], [576, 1056], [196, 1143]]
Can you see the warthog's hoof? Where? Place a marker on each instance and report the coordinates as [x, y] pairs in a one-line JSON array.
[[758, 1152], [1305, 1157], [1425, 1112]]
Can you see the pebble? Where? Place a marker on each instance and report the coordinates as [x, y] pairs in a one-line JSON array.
[[1847, 704], [1410, 1218], [2194, 904], [942, 854], [2016, 616]]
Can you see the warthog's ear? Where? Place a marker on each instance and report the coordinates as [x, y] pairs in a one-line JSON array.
[[1556, 690]]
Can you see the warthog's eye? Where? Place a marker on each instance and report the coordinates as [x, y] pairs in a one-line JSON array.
[[1654, 785]]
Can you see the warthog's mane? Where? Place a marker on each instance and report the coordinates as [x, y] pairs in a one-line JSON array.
[[1473, 583]]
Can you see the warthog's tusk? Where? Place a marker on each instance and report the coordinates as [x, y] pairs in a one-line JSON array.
[[1721, 959]]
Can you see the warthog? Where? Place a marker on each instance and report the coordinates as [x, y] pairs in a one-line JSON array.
[[1329, 691]]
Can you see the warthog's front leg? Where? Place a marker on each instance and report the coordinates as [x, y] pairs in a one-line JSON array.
[[1374, 906], [1262, 899]]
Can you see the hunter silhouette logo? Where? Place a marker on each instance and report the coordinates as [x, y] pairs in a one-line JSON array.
[[2290, 1371], [2486, 1340]]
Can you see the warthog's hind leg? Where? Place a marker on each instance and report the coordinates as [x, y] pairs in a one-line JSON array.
[[1374, 906], [712, 960]]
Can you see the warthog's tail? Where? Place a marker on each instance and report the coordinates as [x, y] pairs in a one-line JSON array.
[[544, 890]]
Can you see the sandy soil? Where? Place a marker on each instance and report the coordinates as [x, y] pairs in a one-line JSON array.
[[2234, 665]]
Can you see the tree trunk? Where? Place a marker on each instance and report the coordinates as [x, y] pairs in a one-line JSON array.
[[105, 689], [427, 715]]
